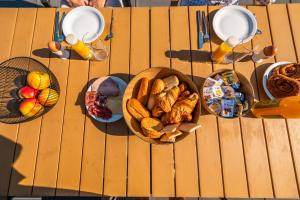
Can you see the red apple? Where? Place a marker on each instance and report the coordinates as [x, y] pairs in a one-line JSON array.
[[28, 92], [30, 107], [48, 97], [38, 80]]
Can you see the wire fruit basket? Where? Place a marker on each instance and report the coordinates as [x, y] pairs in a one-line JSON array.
[[24, 98]]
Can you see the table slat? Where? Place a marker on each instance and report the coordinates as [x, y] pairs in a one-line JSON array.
[[294, 125], [138, 150], [8, 132], [186, 164], [69, 170], [28, 134], [210, 170], [283, 172], [95, 132], [163, 173], [117, 133], [235, 179]]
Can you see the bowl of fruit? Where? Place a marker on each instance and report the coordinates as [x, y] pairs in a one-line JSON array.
[[28, 90]]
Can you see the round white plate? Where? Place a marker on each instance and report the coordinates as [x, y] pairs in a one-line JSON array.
[[122, 86], [267, 75], [84, 22], [235, 21]]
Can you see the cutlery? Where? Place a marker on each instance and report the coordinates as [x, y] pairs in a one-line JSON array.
[[61, 36], [200, 33], [110, 35], [206, 35], [56, 36]]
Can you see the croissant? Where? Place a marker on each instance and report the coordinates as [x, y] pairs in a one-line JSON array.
[[166, 100], [181, 111]]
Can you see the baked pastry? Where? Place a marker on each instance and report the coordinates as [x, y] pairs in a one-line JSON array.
[[143, 91], [137, 110], [182, 87], [291, 70], [183, 95], [157, 111], [157, 87], [171, 128], [170, 137], [151, 127], [166, 100], [282, 86], [170, 82], [181, 111], [188, 127]]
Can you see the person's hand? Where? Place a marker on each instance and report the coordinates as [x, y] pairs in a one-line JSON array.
[[97, 3], [75, 3]]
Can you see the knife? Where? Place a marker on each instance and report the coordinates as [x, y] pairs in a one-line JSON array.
[[61, 36], [200, 33], [56, 33]]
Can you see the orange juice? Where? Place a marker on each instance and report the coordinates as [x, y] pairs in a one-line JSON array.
[[288, 107], [223, 49], [84, 51]]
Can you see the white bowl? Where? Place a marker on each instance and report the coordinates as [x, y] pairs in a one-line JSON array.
[[235, 21], [268, 74], [84, 22]]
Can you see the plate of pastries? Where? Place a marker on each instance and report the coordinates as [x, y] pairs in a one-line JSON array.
[[161, 105], [103, 99], [282, 79]]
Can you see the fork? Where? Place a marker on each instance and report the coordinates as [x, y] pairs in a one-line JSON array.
[[206, 35]]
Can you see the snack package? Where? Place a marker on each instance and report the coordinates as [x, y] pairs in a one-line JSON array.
[[209, 82], [230, 78], [208, 94], [228, 92], [240, 96], [228, 107], [239, 109], [215, 107], [217, 91]]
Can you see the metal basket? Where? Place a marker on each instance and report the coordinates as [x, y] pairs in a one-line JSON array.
[[13, 73]]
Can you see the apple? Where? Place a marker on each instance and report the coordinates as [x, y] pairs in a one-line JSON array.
[[30, 107], [38, 80], [27, 92], [48, 97]]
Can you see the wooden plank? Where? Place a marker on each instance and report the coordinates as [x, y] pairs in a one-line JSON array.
[[162, 155], [27, 143], [70, 159], [210, 171], [50, 137], [139, 150], [186, 166], [95, 132], [8, 132], [283, 173], [117, 133], [293, 125], [235, 179], [257, 166]]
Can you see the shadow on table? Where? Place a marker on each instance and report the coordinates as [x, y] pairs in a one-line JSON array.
[[44, 53], [190, 55]]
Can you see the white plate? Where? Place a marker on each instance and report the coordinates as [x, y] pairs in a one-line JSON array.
[[235, 21], [84, 22], [122, 86], [267, 75]]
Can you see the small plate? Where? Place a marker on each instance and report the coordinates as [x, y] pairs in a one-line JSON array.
[[267, 75], [235, 21], [122, 86], [84, 22]]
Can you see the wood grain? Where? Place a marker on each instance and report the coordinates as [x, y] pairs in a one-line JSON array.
[[210, 171], [139, 169]]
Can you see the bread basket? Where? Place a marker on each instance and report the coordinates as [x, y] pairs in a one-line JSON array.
[[246, 87], [132, 90]]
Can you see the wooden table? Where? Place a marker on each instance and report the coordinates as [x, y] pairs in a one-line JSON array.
[[66, 153]]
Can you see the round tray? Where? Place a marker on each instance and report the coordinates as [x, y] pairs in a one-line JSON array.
[[13, 73]]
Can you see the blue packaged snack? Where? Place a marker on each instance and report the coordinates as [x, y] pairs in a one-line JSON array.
[[240, 96], [228, 108]]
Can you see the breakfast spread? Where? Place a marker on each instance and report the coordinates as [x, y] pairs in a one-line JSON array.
[[36, 94], [104, 99], [223, 95], [285, 81], [165, 110]]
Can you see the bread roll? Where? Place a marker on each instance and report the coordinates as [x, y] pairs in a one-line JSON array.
[[170, 137], [151, 127], [170, 82], [137, 110], [188, 127], [143, 91], [157, 111], [157, 87]]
